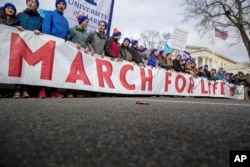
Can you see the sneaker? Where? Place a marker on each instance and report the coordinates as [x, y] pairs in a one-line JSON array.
[[25, 94], [70, 95], [17, 95], [57, 95], [42, 94]]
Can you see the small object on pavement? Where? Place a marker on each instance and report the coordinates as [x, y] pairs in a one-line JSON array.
[[142, 102]]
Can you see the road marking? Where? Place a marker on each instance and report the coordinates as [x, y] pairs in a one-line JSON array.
[[187, 102]]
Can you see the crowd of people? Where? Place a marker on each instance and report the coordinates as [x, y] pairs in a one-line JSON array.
[[96, 42]]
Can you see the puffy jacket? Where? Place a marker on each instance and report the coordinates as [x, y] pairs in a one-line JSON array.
[[56, 24], [29, 20], [112, 48]]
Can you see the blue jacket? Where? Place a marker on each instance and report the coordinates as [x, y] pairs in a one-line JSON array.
[[56, 24], [29, 20], [152, 60]]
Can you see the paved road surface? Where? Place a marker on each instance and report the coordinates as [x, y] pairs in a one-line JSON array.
[[116, 132]]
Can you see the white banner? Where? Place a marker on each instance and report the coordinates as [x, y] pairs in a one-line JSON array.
[[49, 61], [96, 10]]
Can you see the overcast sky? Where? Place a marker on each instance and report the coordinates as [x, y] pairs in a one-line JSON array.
[[132, 17]]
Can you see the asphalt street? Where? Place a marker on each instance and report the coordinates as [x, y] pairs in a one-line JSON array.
[[117, 132]]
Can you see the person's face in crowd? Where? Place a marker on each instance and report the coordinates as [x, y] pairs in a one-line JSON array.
[[136, 45], [201, 69], [84, 24], [9, 11], [31, 4], [60, 7], [101, 27], [164, 54], [221, 71], [126, 43], [169, 56], [178, 58]]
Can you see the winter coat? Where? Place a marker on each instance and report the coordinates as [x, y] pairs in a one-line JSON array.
[[125, 53], [177, 65], [136, 57], [79, 36], [112, 48], [96, 41], [152, 61], [29, 20], [56, 24]]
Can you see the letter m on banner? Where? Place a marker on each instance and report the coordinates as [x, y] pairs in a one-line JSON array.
[[19, 50]]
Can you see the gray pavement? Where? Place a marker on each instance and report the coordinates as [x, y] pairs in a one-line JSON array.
[[116, 132]]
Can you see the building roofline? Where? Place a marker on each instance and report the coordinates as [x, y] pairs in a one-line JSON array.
[[200, 48]]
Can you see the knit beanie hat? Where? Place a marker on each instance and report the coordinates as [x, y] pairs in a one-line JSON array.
[[37, 3], [134, 42], [81, 18], [116, 33], [9, 5], [152, 51], [142, 49], [126, 39], [57, 1], [162, 51]]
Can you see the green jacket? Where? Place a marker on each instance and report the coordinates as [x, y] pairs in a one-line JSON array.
[[79, 36]]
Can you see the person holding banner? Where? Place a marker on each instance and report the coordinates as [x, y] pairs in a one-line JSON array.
[[112, 46], [125, 51], [55, 23], [79, 33], [169, 61], [153, 58], [143, 51], [177, 64], [136, 57], [97, 39], [8, 15], [30, 19], [162, 56]]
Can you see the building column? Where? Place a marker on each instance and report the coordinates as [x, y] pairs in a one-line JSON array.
[[203, 61]]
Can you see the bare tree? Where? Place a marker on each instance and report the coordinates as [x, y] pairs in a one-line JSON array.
[[230, 15], [151, 39]]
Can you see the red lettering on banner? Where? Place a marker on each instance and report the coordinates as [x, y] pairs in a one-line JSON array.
[[123, 80], [104, 75], [191, 85], [180, 89], [203, 89], [209, 87], [19, 50], [214, 87], [167, 80], [77, 71], [222, 88], [145, 79]]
